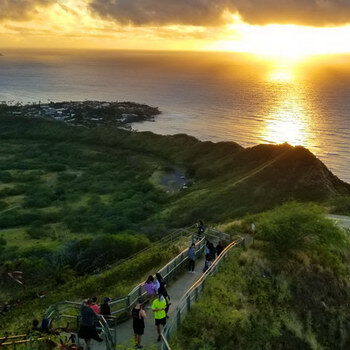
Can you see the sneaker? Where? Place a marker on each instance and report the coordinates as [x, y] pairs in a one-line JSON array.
[[140, 347]]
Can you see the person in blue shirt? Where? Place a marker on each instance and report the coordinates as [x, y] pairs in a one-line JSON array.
[[191, 257]]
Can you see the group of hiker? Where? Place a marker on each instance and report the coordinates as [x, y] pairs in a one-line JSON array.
[[156, 295], [211, 252]]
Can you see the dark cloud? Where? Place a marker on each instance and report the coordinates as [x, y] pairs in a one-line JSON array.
[[20, 9], [310, 12], [150, 12], [209, 12]]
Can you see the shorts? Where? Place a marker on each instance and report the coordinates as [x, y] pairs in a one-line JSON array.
[[160, 321], [138, 330], [88, 332]]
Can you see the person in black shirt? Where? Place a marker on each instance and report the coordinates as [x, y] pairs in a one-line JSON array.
[[105, 309], [162, 290], [138, 322], [87, 330]]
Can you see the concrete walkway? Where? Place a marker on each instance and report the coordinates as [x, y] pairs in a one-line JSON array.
[[176, 290], [342, 220]]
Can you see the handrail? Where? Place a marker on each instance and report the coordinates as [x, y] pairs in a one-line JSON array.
[[185, 302], [168, 272], [173, 235], [110, 342], [169, 237]]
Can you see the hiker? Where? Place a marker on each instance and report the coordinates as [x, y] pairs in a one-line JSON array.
[[158, 308], [207, 264], [150, 287], [211, 252], [36, 326], [94, 306], [200, 229], [138, 322], [162, 290], [105, 309], [206, 249], [87, 330], [191, 257], [219, 248]]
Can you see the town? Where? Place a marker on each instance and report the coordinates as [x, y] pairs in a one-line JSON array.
[[86, 113]]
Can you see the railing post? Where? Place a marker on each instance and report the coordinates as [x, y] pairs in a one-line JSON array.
[[188, 301], [178, 317], [140, 291], [196, 293], [115, 334], [128, 301]]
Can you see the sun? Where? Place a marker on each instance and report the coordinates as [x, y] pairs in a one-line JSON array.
[[282, 74], [284, 41]]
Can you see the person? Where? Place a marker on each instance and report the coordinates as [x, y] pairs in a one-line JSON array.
[[105, 309], [212, 252], [200, 229], [94, 306], [138, 322], [87, 329], [219, 248], [158, 308], [207, 264], [150, 287], [36, 326], [162, 290], [206, 249], [191, 257]]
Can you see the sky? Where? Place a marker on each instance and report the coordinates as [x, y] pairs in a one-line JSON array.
[[268, 27]]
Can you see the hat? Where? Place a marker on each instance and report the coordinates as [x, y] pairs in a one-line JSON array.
[[107, 300]]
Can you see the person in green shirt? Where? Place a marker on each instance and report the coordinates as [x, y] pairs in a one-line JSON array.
[[158, 308]]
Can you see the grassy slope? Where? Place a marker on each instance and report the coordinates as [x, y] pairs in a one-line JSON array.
[[290, 290], [229, 180], [114, 282]]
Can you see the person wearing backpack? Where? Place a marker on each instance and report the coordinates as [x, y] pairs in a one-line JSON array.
[[138, 322]]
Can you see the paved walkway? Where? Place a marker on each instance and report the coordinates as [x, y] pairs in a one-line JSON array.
[[342, 220], [176, 290]]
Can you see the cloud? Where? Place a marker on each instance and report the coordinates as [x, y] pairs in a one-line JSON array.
[[210, 12], [161, 12], [20, 9]]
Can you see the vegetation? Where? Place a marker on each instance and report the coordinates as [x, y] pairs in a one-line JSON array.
[[74, 200], [116, 281], [290, 290], [340, 205]]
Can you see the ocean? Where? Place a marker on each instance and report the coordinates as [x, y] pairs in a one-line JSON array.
[[212, 96]]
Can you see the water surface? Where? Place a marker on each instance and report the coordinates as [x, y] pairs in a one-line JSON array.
[[213, 96]]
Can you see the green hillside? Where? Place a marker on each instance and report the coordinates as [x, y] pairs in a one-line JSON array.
[[289, 290], [74, 200]]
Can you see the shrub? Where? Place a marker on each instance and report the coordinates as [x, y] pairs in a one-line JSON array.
[[3, 205]]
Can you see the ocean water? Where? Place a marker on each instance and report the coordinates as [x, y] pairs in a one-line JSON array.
[[213, 96]]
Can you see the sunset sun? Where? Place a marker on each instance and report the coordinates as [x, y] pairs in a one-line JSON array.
[[286, 42]]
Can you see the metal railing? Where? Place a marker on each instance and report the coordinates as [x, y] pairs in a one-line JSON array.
[[168, 272], [170, 238], [124, 304], [191, 296], [19, 342]]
